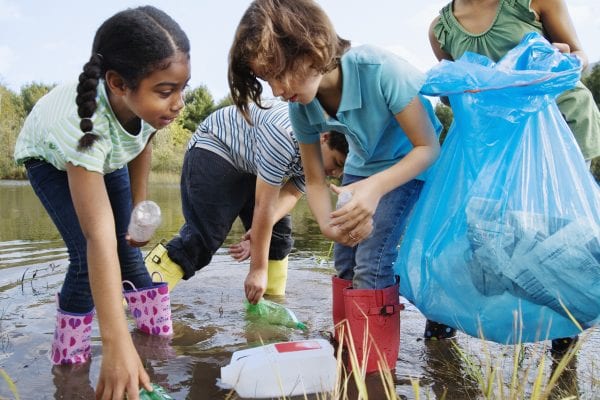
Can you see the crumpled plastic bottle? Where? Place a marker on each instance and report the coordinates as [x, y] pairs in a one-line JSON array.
[[158, 393], [145, 218], [273, 313], [343, 198]]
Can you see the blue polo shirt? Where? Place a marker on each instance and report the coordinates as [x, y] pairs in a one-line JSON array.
[[376, 85]]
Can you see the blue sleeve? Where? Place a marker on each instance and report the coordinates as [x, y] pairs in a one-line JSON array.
[[400, 82], [303, 130]]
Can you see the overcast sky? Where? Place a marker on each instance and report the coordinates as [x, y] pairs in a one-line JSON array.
[[49, 41]]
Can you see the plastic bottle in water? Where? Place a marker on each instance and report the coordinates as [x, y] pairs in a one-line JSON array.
[[158, 393], [273, 313], [281, 370], [343, 198], [145, 218]]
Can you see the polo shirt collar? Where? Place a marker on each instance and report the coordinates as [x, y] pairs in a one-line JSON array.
[[351, 98], [315, 112]]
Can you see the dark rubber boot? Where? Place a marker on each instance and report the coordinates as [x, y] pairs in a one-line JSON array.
[[436, 331]]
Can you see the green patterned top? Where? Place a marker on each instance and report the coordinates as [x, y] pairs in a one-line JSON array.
[[513, 20]]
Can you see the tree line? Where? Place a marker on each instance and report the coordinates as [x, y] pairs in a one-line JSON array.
[[170, 143]]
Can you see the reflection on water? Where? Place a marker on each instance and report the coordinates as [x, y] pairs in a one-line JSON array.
[[28, 237], [208, 314]]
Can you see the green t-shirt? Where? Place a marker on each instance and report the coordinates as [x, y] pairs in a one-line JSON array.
[[513, 20], [51, 132]]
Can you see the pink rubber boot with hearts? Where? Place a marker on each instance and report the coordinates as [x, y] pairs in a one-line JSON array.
[[72, 337], [151, 308]]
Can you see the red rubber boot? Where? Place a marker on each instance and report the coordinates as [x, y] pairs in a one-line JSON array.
[[374, 324], [338, 308]]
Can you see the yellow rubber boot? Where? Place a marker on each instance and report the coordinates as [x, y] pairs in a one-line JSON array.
[[277, 277], [157, 260]]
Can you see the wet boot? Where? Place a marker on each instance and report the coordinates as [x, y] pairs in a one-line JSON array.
[[338, 309], [150, 308], [277, 277], [437, 331], [72, 337], [562, 345], [374, 328], [158, 260]]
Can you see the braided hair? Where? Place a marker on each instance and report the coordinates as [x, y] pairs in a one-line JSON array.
[[133, 43]]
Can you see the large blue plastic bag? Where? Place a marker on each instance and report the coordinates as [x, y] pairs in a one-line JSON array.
[[505, 236]]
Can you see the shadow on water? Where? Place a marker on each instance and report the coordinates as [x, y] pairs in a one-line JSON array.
[[208, 316]]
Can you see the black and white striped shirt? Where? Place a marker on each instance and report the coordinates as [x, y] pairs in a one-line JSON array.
[[268, 149]]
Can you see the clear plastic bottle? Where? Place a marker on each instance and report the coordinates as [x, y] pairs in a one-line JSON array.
[[273, 313], [343, 198], [145, 218]]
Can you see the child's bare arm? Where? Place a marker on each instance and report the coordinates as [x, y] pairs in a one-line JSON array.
[[435, 44], [559, 27]]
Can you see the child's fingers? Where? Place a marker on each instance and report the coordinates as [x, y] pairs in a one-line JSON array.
[[562, 47], [357, 234], [133, 243], [350, 220], [336, 189]]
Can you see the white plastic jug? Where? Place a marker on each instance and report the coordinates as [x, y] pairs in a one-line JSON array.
[[281, 369]]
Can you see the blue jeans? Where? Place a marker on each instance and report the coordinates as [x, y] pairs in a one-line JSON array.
[[370, 263], [213, 194], [52, 188]]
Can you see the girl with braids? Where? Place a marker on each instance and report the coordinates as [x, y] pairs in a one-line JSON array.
[[87, 153], [371, 96]]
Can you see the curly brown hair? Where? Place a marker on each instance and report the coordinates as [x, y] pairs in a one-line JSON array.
[[273, 36]]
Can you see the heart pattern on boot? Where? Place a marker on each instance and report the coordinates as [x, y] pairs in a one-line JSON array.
[[72, 337], [150, 305]]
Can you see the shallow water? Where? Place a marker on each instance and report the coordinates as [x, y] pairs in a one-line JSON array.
[[209, 323]]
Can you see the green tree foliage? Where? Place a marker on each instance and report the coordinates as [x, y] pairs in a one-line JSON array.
[[169, 144], [11, 119], [592, 81], [168, 148], [224, 102], [444, 114], [199, 103], [31, 93], [13, 110]]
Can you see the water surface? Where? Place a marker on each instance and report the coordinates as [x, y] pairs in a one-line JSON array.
[[209, 322]]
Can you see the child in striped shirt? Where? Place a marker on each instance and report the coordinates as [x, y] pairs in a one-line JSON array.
[[232, 169]]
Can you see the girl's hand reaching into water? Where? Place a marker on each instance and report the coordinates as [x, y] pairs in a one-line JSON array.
[[121, 372]]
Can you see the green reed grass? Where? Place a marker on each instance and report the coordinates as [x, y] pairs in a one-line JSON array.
[[11, 385], [529, 377]]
